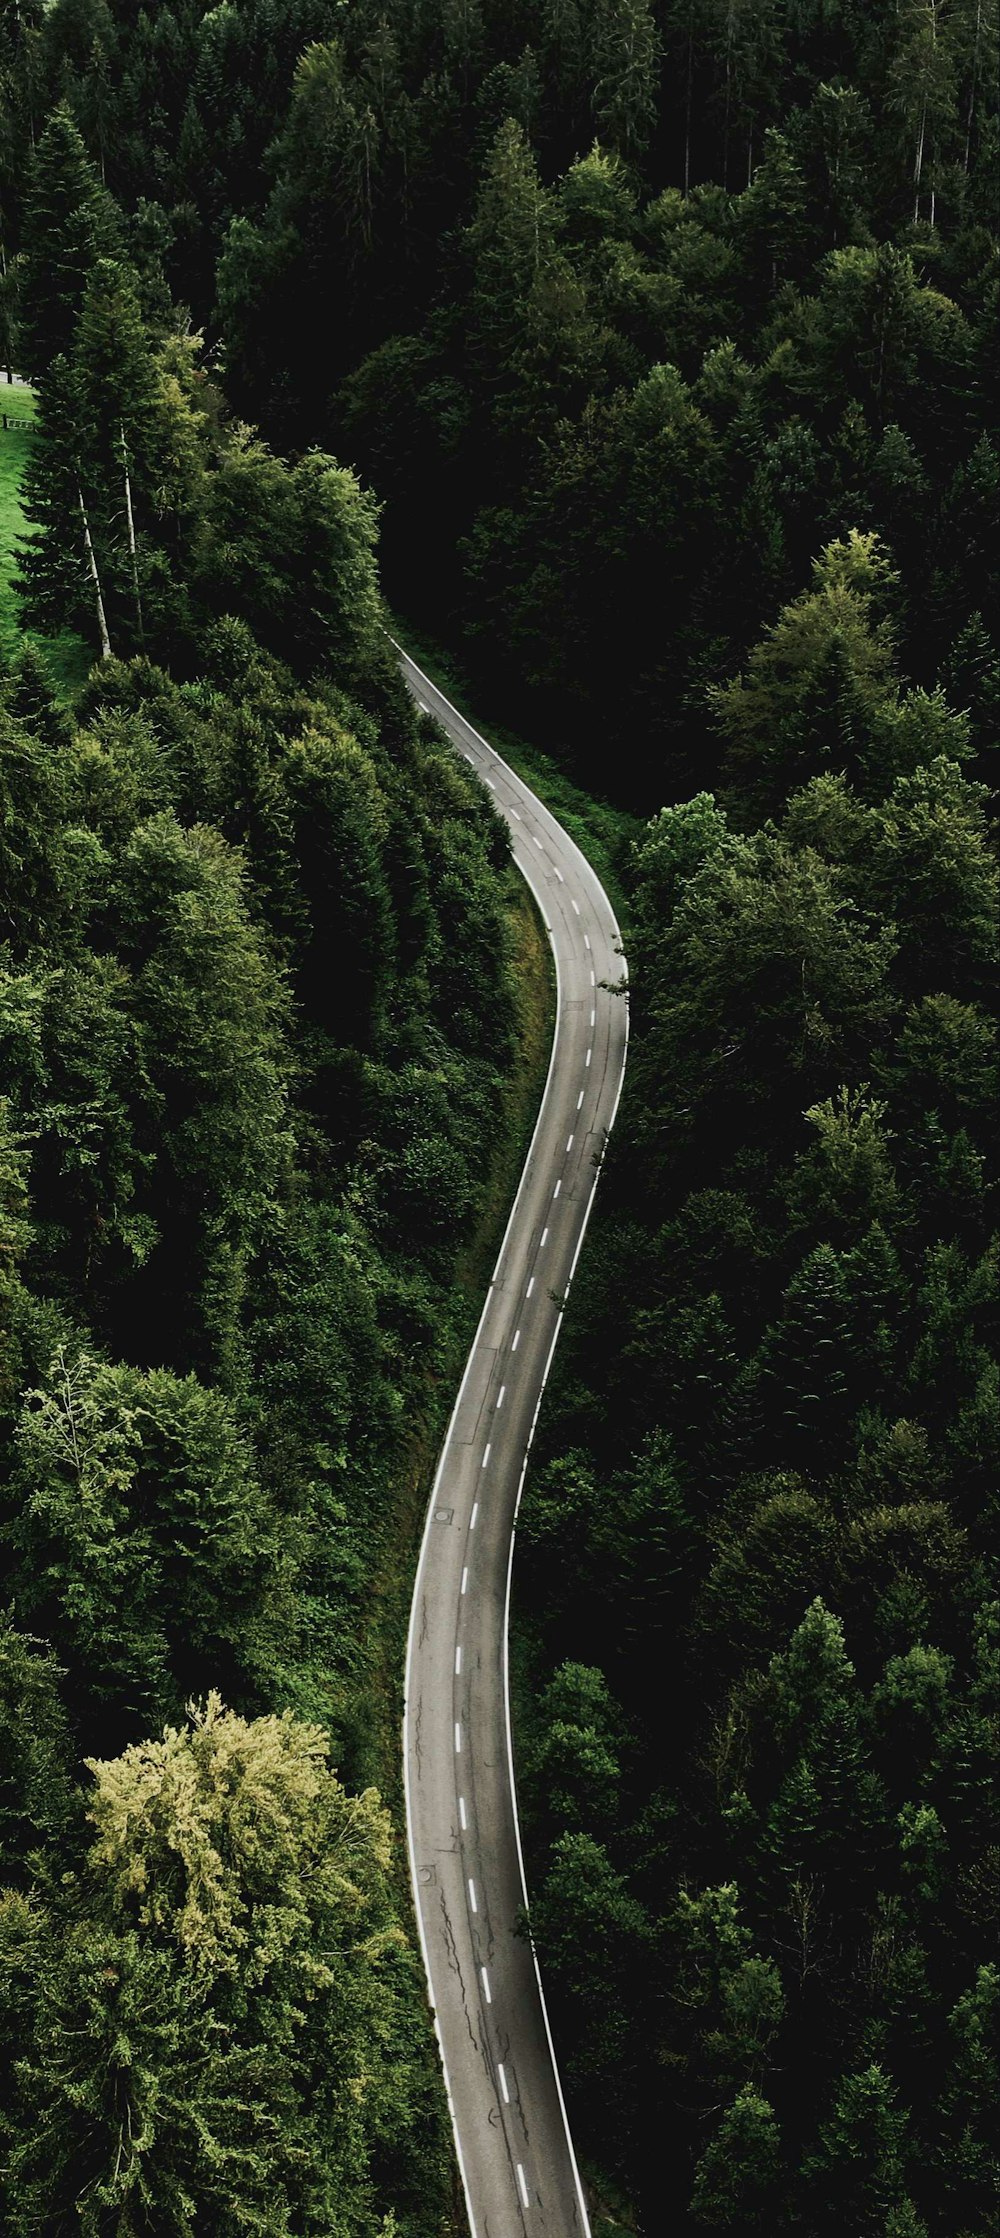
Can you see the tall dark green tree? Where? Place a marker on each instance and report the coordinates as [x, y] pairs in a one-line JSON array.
[[69, 222]]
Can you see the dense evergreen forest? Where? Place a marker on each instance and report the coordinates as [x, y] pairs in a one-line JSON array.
[[257, 1016], [665, 331]]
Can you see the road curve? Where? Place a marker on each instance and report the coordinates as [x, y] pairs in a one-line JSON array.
[[512, 2136]]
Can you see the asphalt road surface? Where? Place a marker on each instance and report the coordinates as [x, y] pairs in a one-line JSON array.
[[512, 2136]]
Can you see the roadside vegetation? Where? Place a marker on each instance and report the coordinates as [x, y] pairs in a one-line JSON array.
[[267, 983]]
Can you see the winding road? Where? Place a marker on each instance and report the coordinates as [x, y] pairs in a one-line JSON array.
[[512, 2136]]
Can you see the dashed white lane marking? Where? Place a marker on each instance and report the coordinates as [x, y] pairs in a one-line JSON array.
[[515, 1340], [593, 981], [516, 813], [503, 2083], [525, 2201], [543, 1239], [474, 1517], [538, 843], [500, 1397], [593, 1017], [485, 1979], [486, 1453], [472, 1895], [557, 1188], [424, 709], [458, 1738], [530, 1287], [586, 940], [559, 874], [589, 1055], [462, 1815], [465, 1578], [569, 1145], [579, 1099], [575, 903], [491, 784], [458, 1662]]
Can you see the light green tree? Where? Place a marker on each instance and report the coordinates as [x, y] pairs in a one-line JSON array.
[[737, 2177]]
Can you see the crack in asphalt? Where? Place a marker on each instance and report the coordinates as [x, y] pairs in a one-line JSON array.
[[455, 1964]]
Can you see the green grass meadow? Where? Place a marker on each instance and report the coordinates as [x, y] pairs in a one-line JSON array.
[[66, 657]]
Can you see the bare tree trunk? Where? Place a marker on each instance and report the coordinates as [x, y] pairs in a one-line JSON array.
[[687, 112], [8, 368], [725, 133], [132, 548], [88, 546], [971, 110], [918, 161]]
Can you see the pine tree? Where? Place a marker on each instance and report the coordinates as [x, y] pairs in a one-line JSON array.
[[922, 81], [122, 437], [31, 698], [69, 222], [36, 1798], [810, 1358], [858, 2170], [624, 66], [59, 581], [736, 2179]]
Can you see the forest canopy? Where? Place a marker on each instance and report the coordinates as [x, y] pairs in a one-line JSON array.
[[656, 341]]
